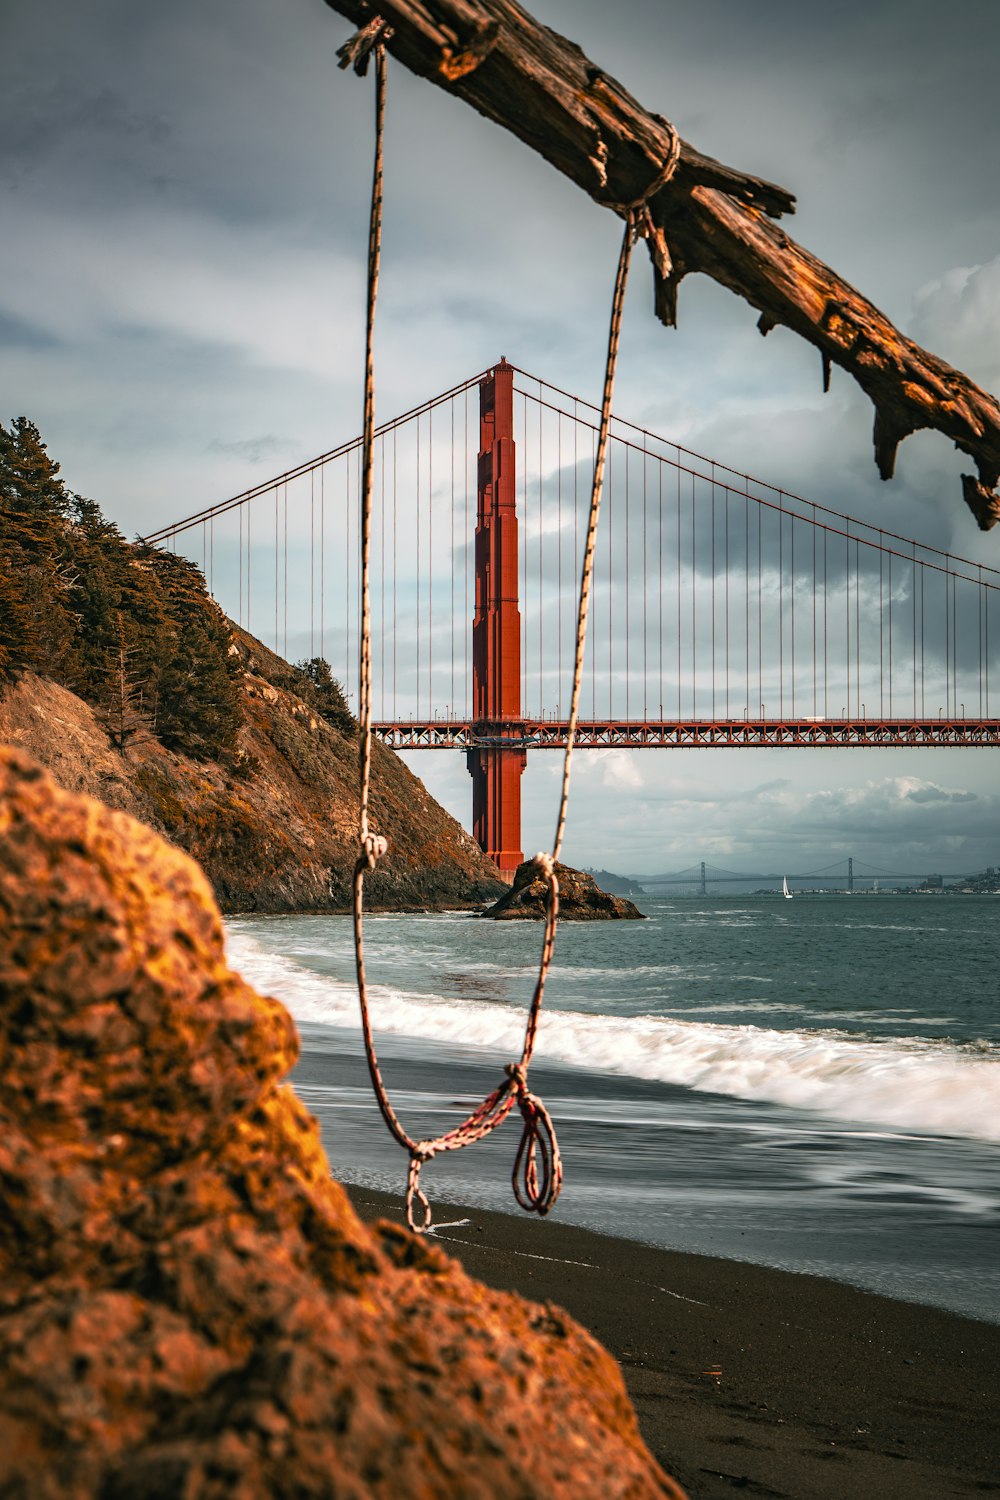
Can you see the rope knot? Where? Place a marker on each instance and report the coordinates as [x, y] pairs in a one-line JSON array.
[[667, 169], [358, 49], [518, 1077], [544, 864], [373, 847], [637, 213]]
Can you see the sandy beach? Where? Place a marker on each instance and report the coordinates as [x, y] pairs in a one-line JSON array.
[[756, 1380]]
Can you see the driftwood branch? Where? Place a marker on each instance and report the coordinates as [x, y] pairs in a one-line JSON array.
[[708, 217]]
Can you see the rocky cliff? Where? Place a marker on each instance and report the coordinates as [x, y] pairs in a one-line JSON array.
[[272, 824], [189, 1307], [580, 898]]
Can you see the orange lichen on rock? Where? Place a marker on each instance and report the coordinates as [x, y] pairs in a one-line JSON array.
[[189, 1306]]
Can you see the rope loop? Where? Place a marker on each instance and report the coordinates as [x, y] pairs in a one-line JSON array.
[[415, 1193], [537, 1176]]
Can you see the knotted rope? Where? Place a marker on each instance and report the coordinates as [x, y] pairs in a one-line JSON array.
[[537, 1173]]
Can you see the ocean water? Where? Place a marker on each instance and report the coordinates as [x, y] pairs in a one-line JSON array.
[[811, 1084]]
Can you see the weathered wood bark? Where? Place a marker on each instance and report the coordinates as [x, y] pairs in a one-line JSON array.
[[709, 217]]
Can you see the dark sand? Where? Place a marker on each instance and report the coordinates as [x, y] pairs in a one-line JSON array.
[[754, 1380]]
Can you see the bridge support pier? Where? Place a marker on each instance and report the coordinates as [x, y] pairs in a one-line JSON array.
[[496, 631]]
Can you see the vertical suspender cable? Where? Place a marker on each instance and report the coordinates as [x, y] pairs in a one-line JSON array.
[[611, 585], [645, 712], [452, 453], [781, 605], [890, 634], [857, 619], [791, 570], [541, 700], [382, 579], [322, 564], [726, 576], [746, 604], [395, 606], [847, 607], [712, 708], [628, 569], [679, 585], [559, 565], [467, 524], [430, 559], [347, 568], [694, 604], [418, 564], [659, 577], [813, 529]]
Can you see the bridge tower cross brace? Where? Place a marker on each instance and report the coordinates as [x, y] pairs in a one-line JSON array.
[[496, 631]]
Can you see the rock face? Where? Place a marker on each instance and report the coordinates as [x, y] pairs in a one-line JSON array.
[[580, 898], [275, 827], [189, 1307]]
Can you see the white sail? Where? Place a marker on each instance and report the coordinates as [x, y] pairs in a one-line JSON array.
[[784, 888]]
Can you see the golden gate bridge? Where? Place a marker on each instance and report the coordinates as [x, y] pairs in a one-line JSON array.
[[726, 612]]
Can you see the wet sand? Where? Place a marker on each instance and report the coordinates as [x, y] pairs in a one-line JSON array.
[[753, 1380]]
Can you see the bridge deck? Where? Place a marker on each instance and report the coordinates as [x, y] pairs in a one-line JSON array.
[[678, 734]]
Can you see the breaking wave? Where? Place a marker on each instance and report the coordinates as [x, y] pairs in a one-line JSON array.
[[925, 1086]]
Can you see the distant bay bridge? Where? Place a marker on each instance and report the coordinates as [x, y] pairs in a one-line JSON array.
[[846, 874]]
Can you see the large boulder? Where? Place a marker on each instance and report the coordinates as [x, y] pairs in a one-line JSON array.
[[189, 1306], [580, 898]]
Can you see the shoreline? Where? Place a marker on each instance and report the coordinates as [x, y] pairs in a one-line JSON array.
[[746, 1377]]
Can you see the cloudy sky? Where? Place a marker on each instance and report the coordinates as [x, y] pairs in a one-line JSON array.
[[183, 191]]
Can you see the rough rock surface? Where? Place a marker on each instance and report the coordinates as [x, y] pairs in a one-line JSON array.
[[274, 827], [580, 898], [189, 1307]]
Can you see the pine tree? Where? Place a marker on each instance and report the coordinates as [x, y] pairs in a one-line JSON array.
[[124, 713], [101, 558], [34, 501], [319, 687], [34, 538], [198, 703]]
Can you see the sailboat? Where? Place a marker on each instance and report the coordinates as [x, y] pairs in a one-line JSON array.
[[784, 888]]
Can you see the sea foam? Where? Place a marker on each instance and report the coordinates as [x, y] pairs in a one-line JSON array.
[[916, 1085]]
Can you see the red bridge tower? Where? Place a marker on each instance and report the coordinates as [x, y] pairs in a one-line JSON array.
[[496, 631]]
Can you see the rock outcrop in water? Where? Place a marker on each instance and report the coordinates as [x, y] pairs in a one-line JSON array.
[[580, 898], [189, 1306]]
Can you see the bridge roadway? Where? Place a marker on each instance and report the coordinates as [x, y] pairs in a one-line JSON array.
[[434, 733]]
